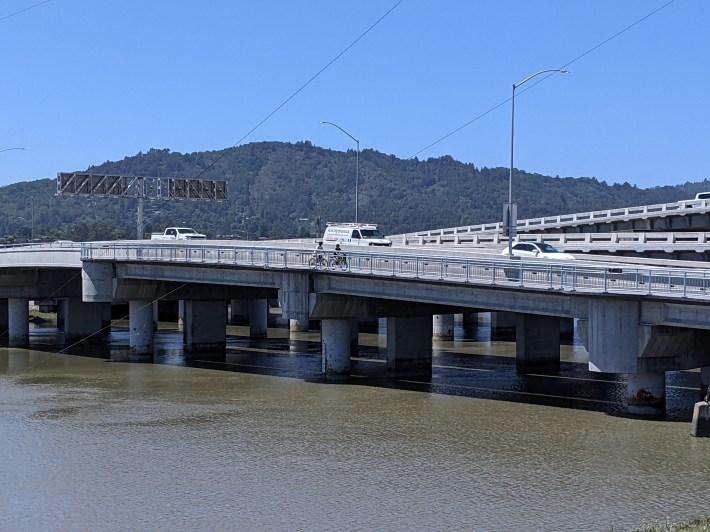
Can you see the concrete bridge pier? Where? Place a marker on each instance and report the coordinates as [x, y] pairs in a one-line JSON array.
[[18, 317], [566, 328], [354, 337], [443, 326], [503, 324], [409, 348], [82, 320], [646, 393], [140, 325], [258, 318], [537, 343], [239, 312], [205, 329], [336, 335], [3, 317], [704, 381]]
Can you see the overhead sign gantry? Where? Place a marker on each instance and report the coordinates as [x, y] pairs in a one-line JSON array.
[[140, 188]]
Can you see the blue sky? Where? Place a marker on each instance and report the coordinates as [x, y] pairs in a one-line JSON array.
[[86, 81]]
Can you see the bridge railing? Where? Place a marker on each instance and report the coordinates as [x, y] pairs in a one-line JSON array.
[[532, 274], [582, 218]]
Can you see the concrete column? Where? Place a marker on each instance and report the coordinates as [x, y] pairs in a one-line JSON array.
[[3, 317], [181, 315], [258, 318], [61, 313], [205, 329], [566, 328], [704, 381], [97, 282], [156, 315], [18, 317], [537, 343], [335, 345], [469, 319], [140, 325], [105, 318], [646, 393], [294, 296], [503, 324], [81, 320], [409, 348], [354, 337], [701, 419], [443, 326], [239, 312]]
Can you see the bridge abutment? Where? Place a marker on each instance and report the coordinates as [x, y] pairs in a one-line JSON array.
[[409, 348], [336, 336]]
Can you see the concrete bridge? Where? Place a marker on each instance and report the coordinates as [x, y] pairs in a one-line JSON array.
[[634, 319], [676, 230]]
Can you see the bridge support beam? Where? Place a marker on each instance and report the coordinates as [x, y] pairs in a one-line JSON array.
[[294, 295], [336, 335], [140, 324], [205, 328], [646, 393], [409, 348], [18, 313], [443, 326], [258, 318], [537, 343], [82, 320]]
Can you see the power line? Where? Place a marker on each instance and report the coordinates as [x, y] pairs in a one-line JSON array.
[[294, 94], [23, 10], [627, 28]]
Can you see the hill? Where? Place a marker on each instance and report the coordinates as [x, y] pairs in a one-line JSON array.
[[279, 190]]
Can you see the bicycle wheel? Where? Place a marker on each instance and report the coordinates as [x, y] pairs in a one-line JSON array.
[[312, 262], [331, 264], [344, 264]]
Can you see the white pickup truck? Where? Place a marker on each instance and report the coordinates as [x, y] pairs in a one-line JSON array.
[[178, 233]]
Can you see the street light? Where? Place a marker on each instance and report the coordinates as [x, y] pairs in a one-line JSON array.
[[509, 206], [357, 159]]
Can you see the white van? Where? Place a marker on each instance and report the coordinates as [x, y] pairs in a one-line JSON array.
[[354, 235], [702, 195]]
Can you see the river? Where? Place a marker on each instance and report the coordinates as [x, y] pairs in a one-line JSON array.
[[90, 441]]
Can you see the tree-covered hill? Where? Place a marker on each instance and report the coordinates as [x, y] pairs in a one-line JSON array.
[[281, 190]]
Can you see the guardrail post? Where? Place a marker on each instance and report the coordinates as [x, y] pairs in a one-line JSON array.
[[685, 284], [605, 279], [649, 282], [520, 279]]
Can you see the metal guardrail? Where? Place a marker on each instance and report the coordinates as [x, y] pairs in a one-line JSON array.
[[546, 222], [552, 275]]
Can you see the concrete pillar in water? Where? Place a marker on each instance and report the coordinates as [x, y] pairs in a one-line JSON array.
[[646, 393], [156, 315], [18, 317], [81, 320], [566, 328], [354, 337], [469, 319], [537, 343], [3, 317], [181, 315], [205, 328], [704, 381], [140, 325], [443, 326], [336, 335], [258, 318], [503, 324], [701, 419], [409, 348]]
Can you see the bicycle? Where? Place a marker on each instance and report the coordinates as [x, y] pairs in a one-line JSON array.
[[318, 261], [338, 260]]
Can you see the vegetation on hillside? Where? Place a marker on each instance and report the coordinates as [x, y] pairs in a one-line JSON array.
[[279, 190]]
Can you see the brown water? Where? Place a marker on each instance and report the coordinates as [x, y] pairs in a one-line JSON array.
[[259, 443]]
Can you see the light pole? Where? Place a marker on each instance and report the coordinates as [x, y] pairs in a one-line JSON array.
[[357, 159], [509, 207]]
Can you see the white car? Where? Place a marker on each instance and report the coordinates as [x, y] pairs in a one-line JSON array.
[[540, 250]]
